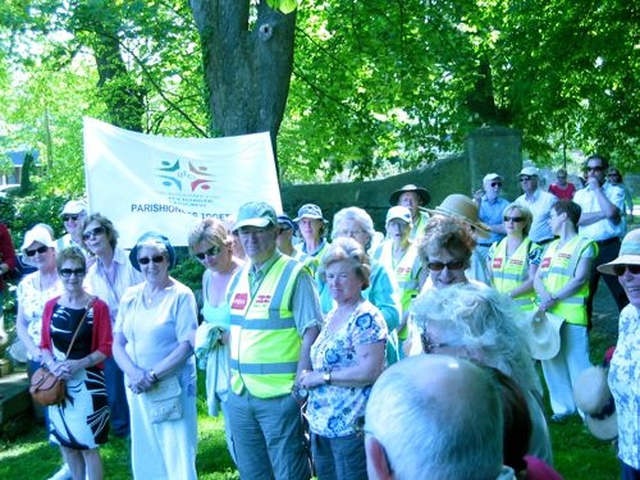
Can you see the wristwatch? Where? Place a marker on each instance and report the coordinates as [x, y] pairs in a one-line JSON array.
[[326, 376]]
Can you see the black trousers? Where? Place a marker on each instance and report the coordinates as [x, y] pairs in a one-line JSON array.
[[607, 251]]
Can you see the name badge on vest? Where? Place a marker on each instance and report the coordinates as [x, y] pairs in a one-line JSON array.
[[497, 263], [546, 261], [239, 301]]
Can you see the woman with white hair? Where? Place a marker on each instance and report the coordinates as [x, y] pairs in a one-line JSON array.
[[476, 322], [383, 290]]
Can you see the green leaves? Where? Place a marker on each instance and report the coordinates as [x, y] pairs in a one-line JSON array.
[[285, 6]]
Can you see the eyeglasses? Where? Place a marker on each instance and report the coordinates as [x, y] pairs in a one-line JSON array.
[[66, 218], [594, 169], [525, 179], [513, 219], [620, 270], [496, 184], [31, 253], [439, 266], [212, 252], [93, 233], [67, 272], [154, 259], [612, 175], [428, 346]]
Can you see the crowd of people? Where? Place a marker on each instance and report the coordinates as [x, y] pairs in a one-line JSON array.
[[338, 352]]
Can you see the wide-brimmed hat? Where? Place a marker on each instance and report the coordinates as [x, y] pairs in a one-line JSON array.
[[593, 397], [399, 212], [543, 334], [255, 214], [463, 208], [629, 253], [38, 234], [310, 210], [74, 207], [152, 237], [423, 194]]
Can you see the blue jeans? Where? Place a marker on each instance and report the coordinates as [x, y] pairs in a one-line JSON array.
[[267, 437], [117, 398]]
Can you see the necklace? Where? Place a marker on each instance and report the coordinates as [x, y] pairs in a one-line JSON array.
[[151, 297]]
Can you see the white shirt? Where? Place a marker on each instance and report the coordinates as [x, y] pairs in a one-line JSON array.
[[588, 201], [540, 204]]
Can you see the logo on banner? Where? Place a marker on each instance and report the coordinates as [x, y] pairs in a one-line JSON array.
[[186, 183]]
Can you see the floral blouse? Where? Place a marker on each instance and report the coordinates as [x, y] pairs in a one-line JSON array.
[[624, 381], [339, 411]]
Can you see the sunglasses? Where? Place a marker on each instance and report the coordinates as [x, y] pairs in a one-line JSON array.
[[67, 272], [93, 233], [31, 253], [496, 184], [620, 270], [154, 259], [525, 179], [212, 252], [513, 219], [66, 218], [439, 266], [594, 169]]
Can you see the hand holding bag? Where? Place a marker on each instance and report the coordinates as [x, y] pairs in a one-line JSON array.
[[164, 400], [45, 387]]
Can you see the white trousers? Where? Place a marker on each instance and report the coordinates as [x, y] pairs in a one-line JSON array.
[[561, 372]]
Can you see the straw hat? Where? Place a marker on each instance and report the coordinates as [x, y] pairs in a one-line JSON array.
[[629, 253], [543, 334], [463, 208], [593, 397]]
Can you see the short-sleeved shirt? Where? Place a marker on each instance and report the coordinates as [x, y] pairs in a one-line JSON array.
[[339, 411], [602, 229], [490, 212], [540, 204]]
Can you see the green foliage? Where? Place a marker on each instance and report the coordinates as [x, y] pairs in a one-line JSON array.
[[35, 209], [188, 270], [285, 6]]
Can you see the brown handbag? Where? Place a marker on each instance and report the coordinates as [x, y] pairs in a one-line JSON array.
[[45, 387]]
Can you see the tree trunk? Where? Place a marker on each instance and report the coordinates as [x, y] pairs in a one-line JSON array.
[[247, 68]]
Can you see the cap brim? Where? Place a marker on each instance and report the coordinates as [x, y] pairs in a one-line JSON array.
[[482, 230], [605, 429], [543, 336], [422, 193], [252, 222]]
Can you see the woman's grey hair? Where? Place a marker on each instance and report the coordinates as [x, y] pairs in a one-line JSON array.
[[357, 214], [348, 249], [484, 326], [524, 211]]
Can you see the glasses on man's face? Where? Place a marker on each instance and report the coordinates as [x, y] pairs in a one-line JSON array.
[[67, 272], [428, 346], [597, 168], [31, 253], [154, 259], [620, 270], [506, 218], [212, 252], [66, 218], [525, 179], [439, 266], [496, 184], [92, 233]]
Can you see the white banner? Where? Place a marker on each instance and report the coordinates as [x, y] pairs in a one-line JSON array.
[[147, 182]]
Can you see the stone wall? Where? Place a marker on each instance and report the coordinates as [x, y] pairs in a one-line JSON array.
[[486, 150]]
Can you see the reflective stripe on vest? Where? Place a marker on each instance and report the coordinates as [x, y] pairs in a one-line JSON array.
[[264, 342], [510, 274], [558, 267]]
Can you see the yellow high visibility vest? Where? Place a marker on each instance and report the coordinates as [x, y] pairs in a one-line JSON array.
[[511, 273], [558, 267], [264, 342]]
